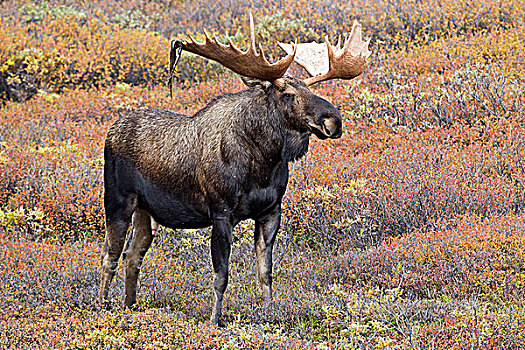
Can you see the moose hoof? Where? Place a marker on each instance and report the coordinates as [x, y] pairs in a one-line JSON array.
[[217, 322], [131, 307], [104, 304]]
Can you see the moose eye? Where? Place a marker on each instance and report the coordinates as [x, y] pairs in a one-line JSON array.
[[288, 97]]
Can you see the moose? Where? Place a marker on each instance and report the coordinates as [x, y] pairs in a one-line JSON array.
[[226, 163]]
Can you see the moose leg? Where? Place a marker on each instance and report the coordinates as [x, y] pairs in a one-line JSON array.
[[220, 255], [266, 229], [117, 222], [139, 245]]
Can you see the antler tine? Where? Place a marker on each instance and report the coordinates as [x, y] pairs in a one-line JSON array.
[[262, 53], [355, 43], [249, 63], [230, 42], [252, 35]]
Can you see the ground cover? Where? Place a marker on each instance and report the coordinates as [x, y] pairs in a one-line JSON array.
[[409, 232]]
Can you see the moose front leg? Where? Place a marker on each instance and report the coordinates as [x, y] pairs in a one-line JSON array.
[[220, 256], [266, 229]]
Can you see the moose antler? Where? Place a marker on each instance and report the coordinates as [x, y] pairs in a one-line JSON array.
[[250, 63], [331, 62]]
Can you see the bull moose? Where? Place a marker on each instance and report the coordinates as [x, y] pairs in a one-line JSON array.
[[226, 163]]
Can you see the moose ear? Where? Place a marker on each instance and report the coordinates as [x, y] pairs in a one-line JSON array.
[[254, 82]]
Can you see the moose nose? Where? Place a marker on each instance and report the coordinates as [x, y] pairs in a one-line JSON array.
[[332, 126], [338, 134]]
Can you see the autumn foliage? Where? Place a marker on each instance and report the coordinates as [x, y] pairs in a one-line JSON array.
[[408, 232]]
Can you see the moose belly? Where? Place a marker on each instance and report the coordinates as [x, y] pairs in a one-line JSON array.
[[174, 209]]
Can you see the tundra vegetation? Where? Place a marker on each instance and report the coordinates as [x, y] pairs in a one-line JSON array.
[[407, 232]]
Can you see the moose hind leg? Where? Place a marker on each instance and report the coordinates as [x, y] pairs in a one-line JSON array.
[[138, 246], [266, 229], [220, 255], [117, 223]]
